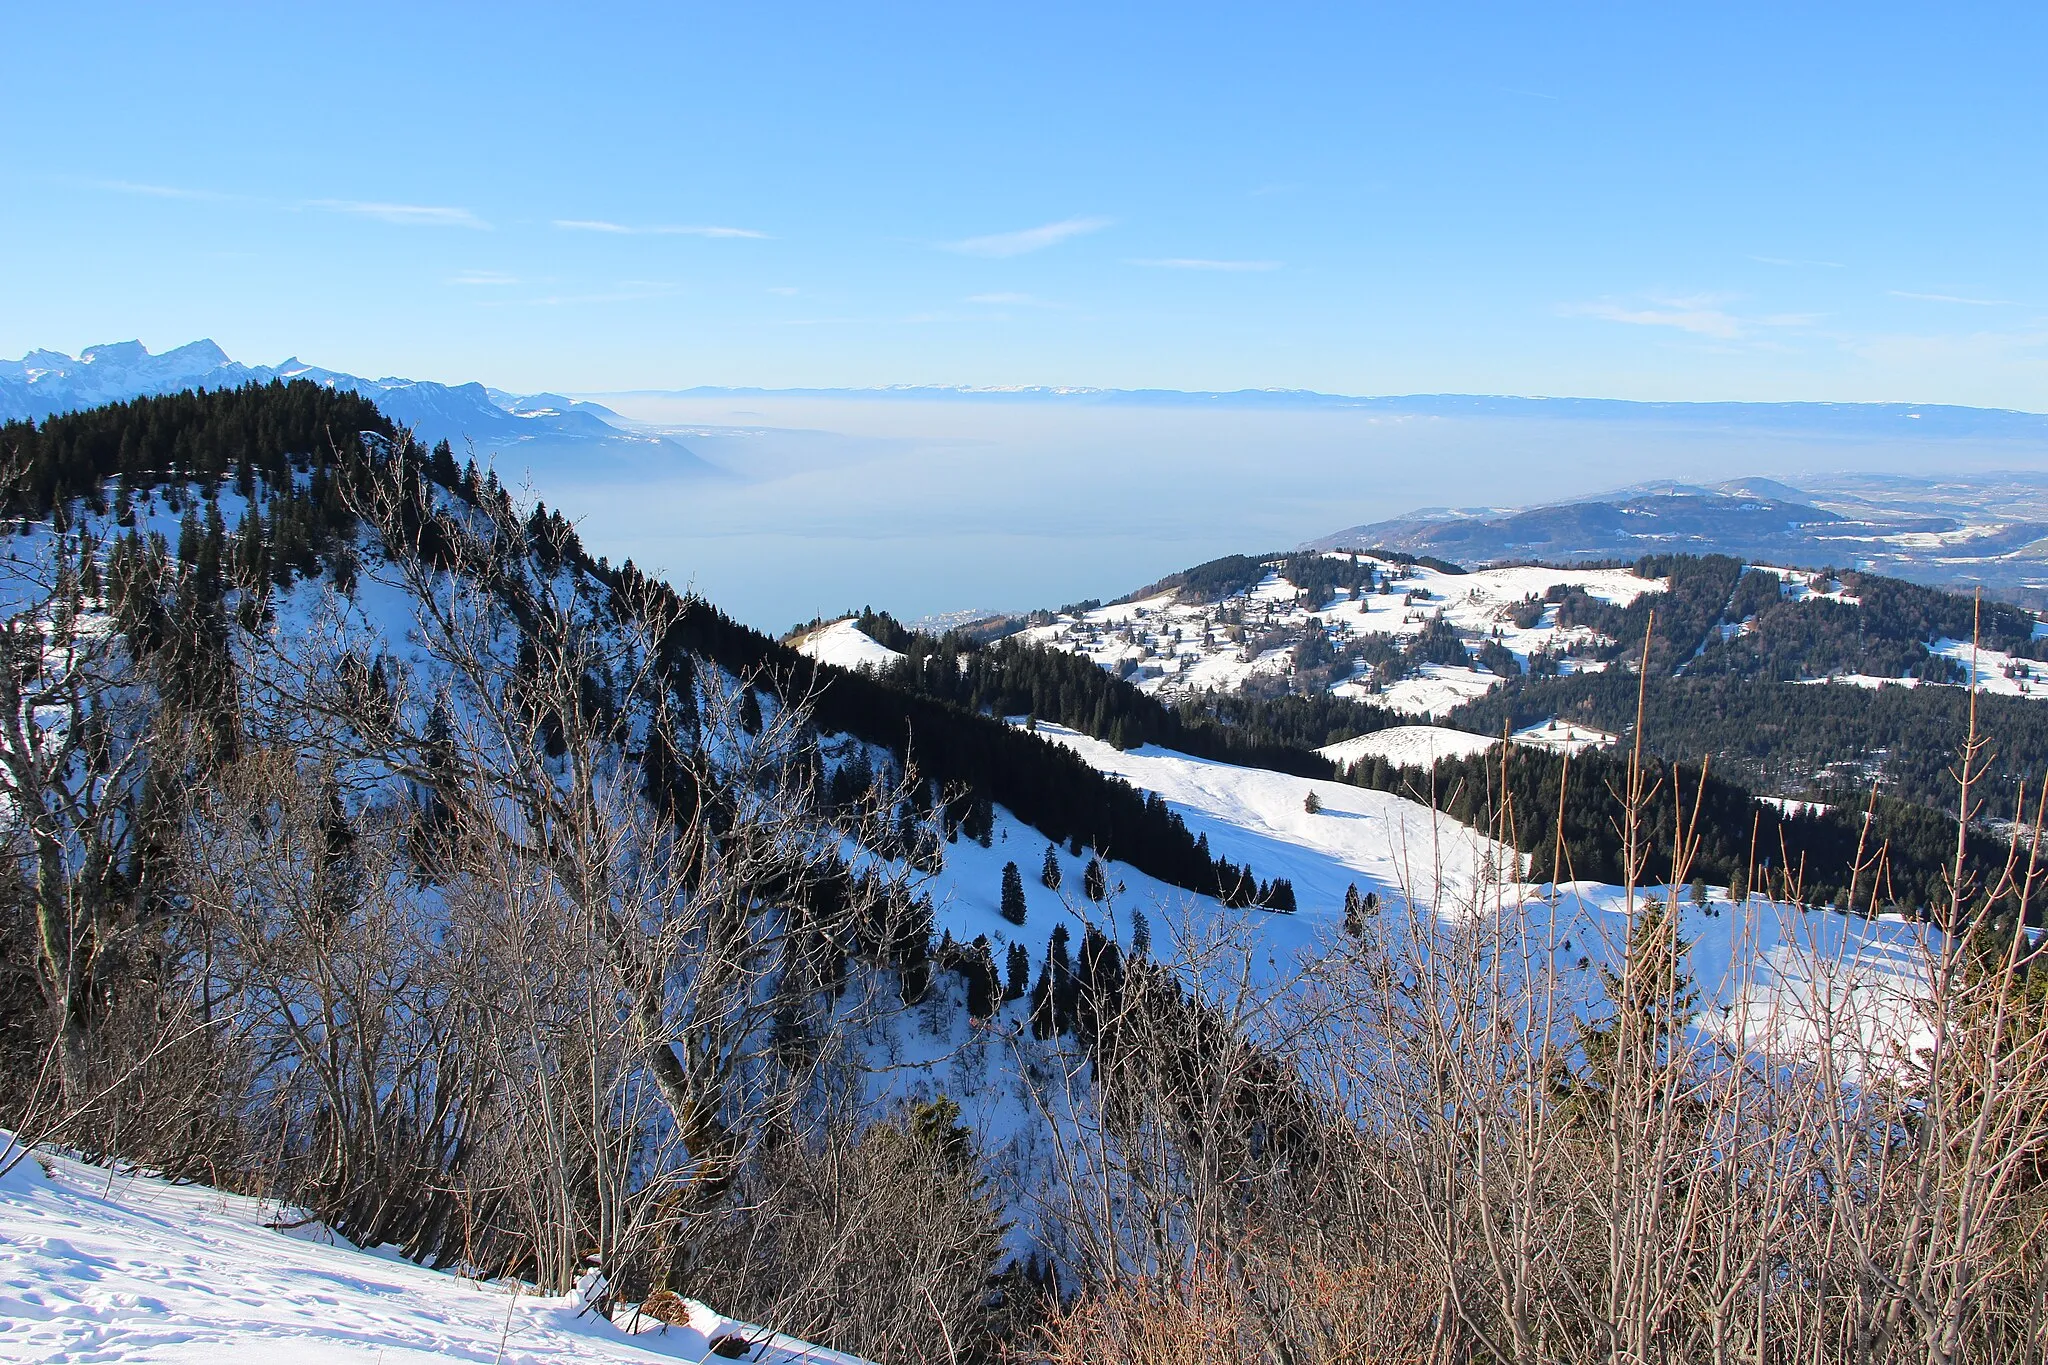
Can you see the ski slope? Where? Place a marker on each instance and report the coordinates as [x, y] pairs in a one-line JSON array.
[[99, 1265]]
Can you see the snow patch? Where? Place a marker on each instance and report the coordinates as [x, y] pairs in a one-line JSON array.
[[845, 645]]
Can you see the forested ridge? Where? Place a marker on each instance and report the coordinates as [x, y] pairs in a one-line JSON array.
[[1729, 646], [267, 432]]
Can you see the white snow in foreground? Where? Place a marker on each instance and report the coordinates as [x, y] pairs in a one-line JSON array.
[[844, 644], [105, 1266]]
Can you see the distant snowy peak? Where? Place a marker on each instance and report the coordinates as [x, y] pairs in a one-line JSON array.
[[44, 383]]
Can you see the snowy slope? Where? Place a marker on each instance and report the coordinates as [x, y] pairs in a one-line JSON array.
[[1796, 977], [844, 644], [1407, 746], [1382, 842], [1172, 647], [99, 1265]]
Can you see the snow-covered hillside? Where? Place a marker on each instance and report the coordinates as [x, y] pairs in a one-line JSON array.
[[1175, 647], [112, 1265], [1422, 641], [1797, 977], [845, 645]]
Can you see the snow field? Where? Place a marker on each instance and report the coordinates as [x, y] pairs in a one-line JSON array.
[[1769, 974], [1407, 746], [99, 1265], [845, 645]]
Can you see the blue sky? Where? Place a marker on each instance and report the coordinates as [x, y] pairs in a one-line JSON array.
[[1646, 201]]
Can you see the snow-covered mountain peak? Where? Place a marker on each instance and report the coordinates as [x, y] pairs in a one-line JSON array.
[[45, 382], [116, 353]]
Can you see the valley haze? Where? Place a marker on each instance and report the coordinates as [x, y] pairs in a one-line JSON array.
[[786, 504]]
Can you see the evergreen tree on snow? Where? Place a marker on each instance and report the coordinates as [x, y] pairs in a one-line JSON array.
[[1013, 907], [1017, 976], [1049, 870]]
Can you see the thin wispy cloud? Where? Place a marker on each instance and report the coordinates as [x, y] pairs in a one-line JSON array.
[[1950, 298], [653, 230], [403, 215], [1783, 260], [1705, 322], [485, 277], [1203, 263], [1701, 315], [787, 291], [1028, 239]]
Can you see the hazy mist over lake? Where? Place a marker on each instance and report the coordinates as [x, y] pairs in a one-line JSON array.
[[925, 504]]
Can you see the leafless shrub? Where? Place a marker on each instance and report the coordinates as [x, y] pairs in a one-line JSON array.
[[877, 1241]]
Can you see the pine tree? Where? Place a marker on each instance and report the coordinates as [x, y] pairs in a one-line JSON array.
[[1061, 966], [1013, 907], [1141, 934], [1312, 803], [442, 469], [984, 987], [978, 821], [1018, 974], [1652, 999], [1049, 870], [1094, 880], [910, 949], [1043, 1024]]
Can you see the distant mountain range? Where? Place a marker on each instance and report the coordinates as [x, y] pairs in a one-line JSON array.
[[43, 383], [1960, 531], [1854, 420]]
